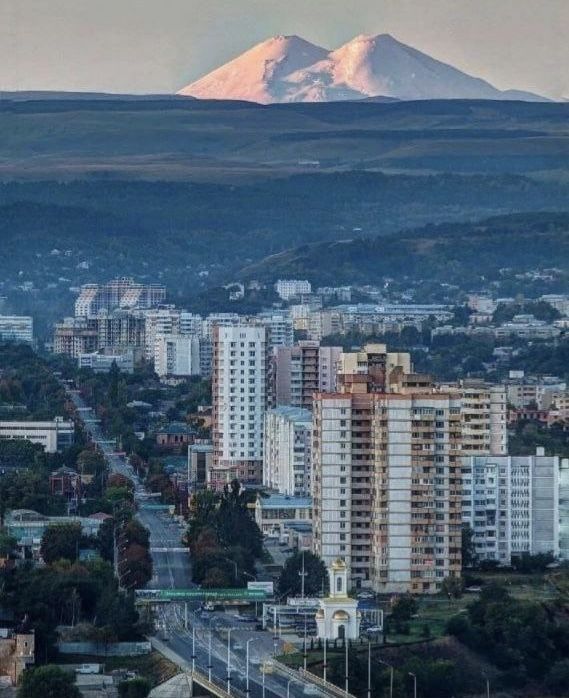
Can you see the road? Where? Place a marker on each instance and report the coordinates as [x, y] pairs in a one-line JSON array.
[[186, 628]]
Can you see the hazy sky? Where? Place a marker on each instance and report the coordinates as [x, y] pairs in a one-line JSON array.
[[161, 45]]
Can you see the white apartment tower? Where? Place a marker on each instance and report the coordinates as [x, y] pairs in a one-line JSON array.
[[239, 402], [512, 505], [287, 450], [177, 355]]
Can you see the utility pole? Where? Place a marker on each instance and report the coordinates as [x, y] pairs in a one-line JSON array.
[[369, 669], [304, 652], [302, 575], [347, 645]]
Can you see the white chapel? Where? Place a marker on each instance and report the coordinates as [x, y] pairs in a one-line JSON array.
[[338, 615]]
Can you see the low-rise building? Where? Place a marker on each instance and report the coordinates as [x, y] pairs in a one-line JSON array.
[[54, 435], [100, 362], [16, 328], [274, 512]]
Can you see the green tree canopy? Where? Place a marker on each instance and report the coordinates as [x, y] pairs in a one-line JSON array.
[[48, 682], [61, 542], [315, 581]]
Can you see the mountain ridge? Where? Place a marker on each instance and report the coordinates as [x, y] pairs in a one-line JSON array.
[[285, 69]]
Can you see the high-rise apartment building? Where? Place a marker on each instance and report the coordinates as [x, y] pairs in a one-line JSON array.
[[484, 416], [380, 366], [512, 505], [177, 355], [287, 450], [239, 392], [302, 370], [386, 487], [281, 332], [75, 336], [122, 293]]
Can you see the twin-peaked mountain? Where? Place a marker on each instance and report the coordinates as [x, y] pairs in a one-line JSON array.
[[291, 69]]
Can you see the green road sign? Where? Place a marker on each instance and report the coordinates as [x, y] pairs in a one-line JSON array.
[[202, 594]]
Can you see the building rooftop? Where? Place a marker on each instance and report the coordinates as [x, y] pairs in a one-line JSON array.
[[282, 501]]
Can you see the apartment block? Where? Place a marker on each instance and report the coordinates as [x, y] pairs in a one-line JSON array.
[[76, 336], [512, 505], [239, 387], [386, 487], [484, 416], [119, 293], [177, 355], [287, 450], [279, 326], [302, 370], [379, 366], [292, 288]]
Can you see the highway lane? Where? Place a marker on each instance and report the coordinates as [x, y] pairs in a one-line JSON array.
[[207, 633]]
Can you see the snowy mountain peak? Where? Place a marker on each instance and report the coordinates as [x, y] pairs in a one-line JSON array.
[[291, 69]]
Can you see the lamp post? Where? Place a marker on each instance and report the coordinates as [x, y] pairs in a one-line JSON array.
[[193, 649], [391, 671], [288, 687], [249, 641], [304, 649], [414, 683], [369, 669], [324, 664], [347, 646], [209, 654], [229, 660]]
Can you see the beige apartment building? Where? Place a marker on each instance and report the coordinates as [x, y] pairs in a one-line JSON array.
[[387, 487]]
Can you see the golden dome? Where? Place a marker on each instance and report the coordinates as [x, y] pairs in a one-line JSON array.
[[338, 564], [340, 615]]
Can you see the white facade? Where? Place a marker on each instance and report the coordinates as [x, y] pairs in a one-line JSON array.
[[239, 401], [118, 293], [287, 449], [102, 363], [53, 435], [291, 288], [17, 328], [281, 332], [177, 355], [512, 505]]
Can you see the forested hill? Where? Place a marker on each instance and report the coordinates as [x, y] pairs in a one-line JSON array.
[[446, 253]]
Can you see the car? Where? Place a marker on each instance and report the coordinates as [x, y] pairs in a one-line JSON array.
[[374, 629]]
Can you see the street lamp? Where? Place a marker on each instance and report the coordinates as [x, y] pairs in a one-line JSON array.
[[369, 669], [209, 653], [414, 683], [193, 648], [229, 660], [288, 687], [391, 671], [347, 646], [249, 641]]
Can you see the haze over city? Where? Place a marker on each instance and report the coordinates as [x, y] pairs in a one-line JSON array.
[[142, 46]]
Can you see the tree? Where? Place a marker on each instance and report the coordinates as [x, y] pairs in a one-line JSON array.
[[315, 581], [8, 544], [469, 554], [404, 608], [452, 587], [134, 688], [557, 680], [61, 542], [48, 682]]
